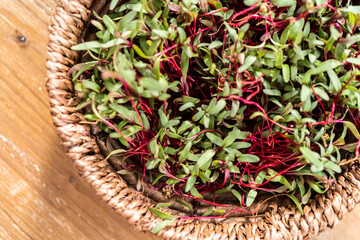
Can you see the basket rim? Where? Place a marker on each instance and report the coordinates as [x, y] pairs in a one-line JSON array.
[[324, 211]]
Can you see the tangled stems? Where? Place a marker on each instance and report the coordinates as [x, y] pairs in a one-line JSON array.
[[206, 98]]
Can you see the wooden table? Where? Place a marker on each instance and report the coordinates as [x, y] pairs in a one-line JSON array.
[[41, 196]]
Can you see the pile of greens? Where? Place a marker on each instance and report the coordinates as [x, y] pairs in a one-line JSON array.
[[209, 96]]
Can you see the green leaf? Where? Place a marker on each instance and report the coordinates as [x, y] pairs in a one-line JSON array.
[[171, 134], [235, 105], [257, 114], [316, 187], [221, 211], [226, 90], [237, 195], [110, 24], [161, 215], [353, 129], [218, 107], [339, 142], [184, 153], [205, 158], [171, 123], [186, 106], [204, 178], [139, 51], [283, 3], [285, 182], [305, 93], [86, 46], [250, 197], [272, 174], [247, 63], [248, 158], [209, 211], [312, 157], [115, 152], [198, 115], [187, 3], [91, 85], [299, 52], [161, 225], [152, 164], [306, 31], [215, 44], [232, 32], [333, 166], [185, 204], [122, 111], [260, 177], [240, 145], [161, 33], [296, 31], [158, 178], [352, 20], [287, 109], [193, 100], [305, 199], [157, 67], [325, 66], [350, 40], [231, 137], [307, 76], [355, 61], [289, 95], [294, 71], [329, 45], [113, 4], [297, 203], [334, 79], [184, 64], [151, 51], [184, 126], [214, 139], [232, 168], [351, 9], [272, 92], [182, 34], [250, 2], [163, 205], [123, 172], [351, 147], [163, 117], [335, 34], [279, 58], [190, 183], [301, 187], [127, 19], [153, 84], [195, 193], [286, 72], [285, 34], [339, 51], [91, 45], [321, 93]]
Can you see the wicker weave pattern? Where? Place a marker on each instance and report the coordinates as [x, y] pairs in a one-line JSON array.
[[278, 223]]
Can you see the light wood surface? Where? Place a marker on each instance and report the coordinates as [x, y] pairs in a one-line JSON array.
[[41, 197]]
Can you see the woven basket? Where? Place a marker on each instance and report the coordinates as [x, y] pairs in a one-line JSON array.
[[67, 25]]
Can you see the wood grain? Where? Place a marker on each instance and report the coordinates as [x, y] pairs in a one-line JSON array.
[[41, 197]]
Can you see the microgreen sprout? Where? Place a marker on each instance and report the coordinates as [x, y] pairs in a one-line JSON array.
[[201, 98]]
